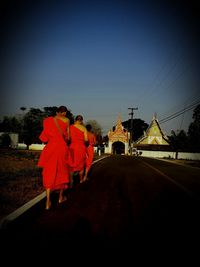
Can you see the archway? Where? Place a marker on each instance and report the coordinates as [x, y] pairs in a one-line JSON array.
[[118, 148]]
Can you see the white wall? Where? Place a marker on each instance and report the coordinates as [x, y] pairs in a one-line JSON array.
[[36, 146], [145, 153], [31, 147], [187, 155], [170, 154]]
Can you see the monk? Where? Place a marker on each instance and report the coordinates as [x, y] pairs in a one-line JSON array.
[[79, 142], [89, 150], [54, 158]]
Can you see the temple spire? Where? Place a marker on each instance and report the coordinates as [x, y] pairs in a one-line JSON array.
[[119, 120], [155, 116]]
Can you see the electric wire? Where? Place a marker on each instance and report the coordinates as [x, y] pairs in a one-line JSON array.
[[180, 112]]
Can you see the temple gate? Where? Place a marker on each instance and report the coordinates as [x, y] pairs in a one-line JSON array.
[[118, 140]]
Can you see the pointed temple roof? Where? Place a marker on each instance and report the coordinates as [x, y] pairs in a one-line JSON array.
[[153, 135], [119, 134]]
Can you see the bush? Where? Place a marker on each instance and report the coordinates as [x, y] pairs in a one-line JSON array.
[[5, 141]]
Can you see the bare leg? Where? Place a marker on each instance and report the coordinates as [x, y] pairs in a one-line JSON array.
[[85, 176], [81, 173], [71, 180], [62, 198], [48, 200]]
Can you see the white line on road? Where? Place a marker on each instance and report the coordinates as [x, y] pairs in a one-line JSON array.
[[12, 216]]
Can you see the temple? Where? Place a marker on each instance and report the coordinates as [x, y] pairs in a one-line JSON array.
[[154, 138], [118, 139]]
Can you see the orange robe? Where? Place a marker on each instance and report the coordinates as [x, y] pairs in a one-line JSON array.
[[77, 149], [90, 150], [54, 157]]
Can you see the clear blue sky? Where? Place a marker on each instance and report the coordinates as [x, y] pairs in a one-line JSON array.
[[101, 57]]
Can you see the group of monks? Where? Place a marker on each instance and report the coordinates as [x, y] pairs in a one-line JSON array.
[[69, 150]]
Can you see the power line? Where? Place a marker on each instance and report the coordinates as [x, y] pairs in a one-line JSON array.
[[178, 113], [166, 75]]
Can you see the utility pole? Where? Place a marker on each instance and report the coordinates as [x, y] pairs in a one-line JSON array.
[[131, 130]]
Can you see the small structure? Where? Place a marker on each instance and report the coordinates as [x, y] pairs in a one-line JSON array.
[[154, 138], [118, 140], [14, 138]]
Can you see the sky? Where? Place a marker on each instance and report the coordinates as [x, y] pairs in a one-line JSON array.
[[100, 58]]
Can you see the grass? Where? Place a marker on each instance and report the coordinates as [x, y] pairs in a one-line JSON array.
[[20, 179]]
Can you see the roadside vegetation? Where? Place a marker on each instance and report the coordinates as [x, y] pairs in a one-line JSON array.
[[20, 179]]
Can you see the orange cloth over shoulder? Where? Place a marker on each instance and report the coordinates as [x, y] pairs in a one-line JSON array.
[[90, 150], [54, 158], [77, 149]]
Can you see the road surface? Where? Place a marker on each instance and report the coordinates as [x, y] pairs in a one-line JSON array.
[[131, 204]]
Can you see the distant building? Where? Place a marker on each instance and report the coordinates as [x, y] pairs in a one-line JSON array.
[[14, 137], [118, 140], [154, 138]]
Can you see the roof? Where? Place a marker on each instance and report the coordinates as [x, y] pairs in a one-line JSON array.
[[119, 134], [154, 135]]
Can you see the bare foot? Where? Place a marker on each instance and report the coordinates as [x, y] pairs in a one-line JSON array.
[[84, 179], [63, 199], [48, 206]]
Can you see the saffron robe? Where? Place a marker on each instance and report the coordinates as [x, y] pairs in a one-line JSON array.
[[90, 150], [77, 149], [54, 158]]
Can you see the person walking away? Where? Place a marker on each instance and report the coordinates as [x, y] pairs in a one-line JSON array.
[[54, 157], [79, 142], [89, 150]]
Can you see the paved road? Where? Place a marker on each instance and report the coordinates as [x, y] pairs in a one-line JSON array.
[[129, 204]]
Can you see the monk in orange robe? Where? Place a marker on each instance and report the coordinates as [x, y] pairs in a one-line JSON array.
[[79, 141], [90, 150], [54, 157]]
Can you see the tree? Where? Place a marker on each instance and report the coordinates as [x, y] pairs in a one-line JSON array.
[[5, 125], [97, 130], [10, 125], [139, 126], [32, 126], [5, 140], [194, 131], [33, 121], [96, 127], [51, 111], [179, 141], [23, 109]]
